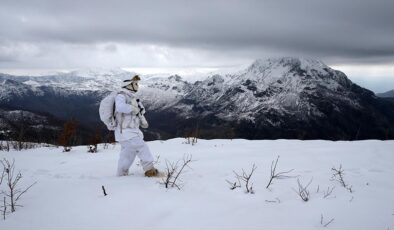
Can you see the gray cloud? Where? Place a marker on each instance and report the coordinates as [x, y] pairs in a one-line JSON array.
[[336, 31]]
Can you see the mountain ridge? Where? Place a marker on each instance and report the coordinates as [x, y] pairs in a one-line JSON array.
[[273, 98], [389, 94]]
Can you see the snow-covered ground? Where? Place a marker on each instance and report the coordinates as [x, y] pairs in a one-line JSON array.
[[68, 192]]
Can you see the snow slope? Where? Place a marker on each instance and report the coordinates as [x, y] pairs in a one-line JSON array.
[[68, 192]]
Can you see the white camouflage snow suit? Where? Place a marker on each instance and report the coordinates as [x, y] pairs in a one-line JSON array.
[[128, 134]]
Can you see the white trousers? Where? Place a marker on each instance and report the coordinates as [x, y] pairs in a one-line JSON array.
[[129, 150]]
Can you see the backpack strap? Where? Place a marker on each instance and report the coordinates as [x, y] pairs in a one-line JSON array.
[[121, 115]]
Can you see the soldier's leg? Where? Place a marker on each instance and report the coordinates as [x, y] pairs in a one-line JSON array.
[[145, 155], [126, 157]]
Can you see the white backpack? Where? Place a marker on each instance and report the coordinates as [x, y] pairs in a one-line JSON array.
[[107, 111]]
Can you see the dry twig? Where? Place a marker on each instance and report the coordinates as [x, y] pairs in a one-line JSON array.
[[303, 191], [322, 221], [174, 172], [246, 178], [105, 193], [13, 192], [235, 184], [277, 175], [339, 176], [328, 192]]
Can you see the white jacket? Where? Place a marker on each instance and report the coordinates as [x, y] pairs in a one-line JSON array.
[[126, 109]]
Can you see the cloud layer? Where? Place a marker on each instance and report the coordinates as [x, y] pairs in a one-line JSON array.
[[71, 34]]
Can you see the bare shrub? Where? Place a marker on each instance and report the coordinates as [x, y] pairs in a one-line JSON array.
[[277, 175], [328, 192], [322, 221], [2, 176], [4, 146], [68, 135], [12, 191], [94, 141], [191, 137], [174, 171], [339, 176], [191, 140], [234, 185], [17, 145], [303, 191], [4, 211], [245, 177]]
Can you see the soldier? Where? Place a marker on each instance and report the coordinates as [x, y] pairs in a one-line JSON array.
[[129, 116]]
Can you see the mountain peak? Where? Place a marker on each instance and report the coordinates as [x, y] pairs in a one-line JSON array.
[[175, 77], [303, 63]]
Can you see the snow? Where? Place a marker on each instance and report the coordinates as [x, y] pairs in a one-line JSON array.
[[68, 192], [32, 83]]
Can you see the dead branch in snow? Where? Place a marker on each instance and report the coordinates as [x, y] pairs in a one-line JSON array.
[[12, 179], [235, 184], [105, 193], [303, 191], [322, 221], [339, 176], [4, 207], [246, 178], [277, 175], [328, 192], [2, 175], [174, 171]]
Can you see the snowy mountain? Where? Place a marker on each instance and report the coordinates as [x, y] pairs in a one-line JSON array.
[[283, 85], [282, 98], [273, 98]]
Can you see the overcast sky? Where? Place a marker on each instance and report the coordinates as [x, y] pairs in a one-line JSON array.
[[64, 34]]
